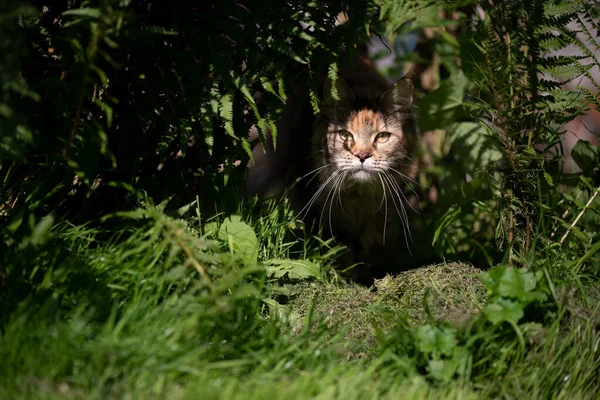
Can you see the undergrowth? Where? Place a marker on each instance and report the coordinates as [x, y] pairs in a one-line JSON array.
[[131, 268]]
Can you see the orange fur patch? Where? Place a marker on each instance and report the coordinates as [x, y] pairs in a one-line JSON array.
[[366, 118]]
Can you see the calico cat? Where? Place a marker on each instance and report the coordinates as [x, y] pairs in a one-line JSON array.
[[350, 162]]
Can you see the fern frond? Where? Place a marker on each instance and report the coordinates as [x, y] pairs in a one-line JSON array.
[[314, 101], [226, 113], [332, 74]]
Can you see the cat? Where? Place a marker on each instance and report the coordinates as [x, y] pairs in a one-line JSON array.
[[350, 163]]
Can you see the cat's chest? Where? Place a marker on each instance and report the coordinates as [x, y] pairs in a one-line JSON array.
[[354, 209]]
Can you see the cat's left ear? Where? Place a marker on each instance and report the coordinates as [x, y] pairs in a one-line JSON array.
[[399, 96]]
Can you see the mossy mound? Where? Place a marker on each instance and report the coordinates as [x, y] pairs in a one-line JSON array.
[[452, 292], [449, 291]]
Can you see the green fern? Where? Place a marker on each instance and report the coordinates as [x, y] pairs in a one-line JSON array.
[[520, 76]]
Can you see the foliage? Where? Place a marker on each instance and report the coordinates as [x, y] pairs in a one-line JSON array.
[[508, 82], [130, 266], [524, 105], [149, 96]]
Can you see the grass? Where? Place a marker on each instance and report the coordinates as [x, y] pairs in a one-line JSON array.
[[165, 312], [451, 292], [173, 303]]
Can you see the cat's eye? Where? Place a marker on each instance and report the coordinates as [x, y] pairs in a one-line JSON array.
[[382, 137], [345, 135]]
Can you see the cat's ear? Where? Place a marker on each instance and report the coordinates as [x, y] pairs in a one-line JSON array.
[[339, 89], [399, 96]]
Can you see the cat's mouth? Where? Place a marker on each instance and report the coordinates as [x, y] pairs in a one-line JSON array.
[[363, 174]]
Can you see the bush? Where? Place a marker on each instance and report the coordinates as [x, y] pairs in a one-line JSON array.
[[130, 264]]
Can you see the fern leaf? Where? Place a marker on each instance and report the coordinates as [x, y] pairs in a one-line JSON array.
[[84, 12], [247, 148], [314, 101], [181, 211], [268, 86], [332, 74], [226, 113], [163, 204], [281, 86]]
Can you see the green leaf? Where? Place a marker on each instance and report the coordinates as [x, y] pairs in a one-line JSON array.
[[108, 111], [593, 250], [332, 74], [84, 12], [435, 340], [226, 113], [586, 155], [516, 283], [246, 146], [241, 239], [101, 74], [159, 30], [444, 105], [283, 313], [442, 370], [294, 269], [426, 339], [472, 147], [281, 86], [268, 86], [90, 147], [513, 283], [503, 310], [445, 221], [41, 233], [491, 278]]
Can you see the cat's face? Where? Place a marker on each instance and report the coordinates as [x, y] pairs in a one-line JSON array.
[[365, 141]]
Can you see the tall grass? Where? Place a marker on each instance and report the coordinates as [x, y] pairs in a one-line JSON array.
[[107, 290]]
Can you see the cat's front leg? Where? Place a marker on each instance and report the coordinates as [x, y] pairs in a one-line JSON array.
[[379, 244]]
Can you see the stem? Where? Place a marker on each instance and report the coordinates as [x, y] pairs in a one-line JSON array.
[[510, 148], [91, 51], [587, 205]]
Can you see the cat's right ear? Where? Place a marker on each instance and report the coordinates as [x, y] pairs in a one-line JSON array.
[[399, 96], [336, 94]]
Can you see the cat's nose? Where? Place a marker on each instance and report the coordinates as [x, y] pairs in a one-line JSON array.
[[362, 156]]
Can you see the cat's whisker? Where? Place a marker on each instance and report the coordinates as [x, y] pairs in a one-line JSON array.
[[400, 192], [313, 171], [320, 190], [382, 197], [331, 194], [403, 215], [385, 201], [331, 189], [401, 210], [407, 180], [340, 188], [352, 183], [372, 184], [405, 160], [316, 173], [315, 196], [325, 205], [404, 176], [336, 186]]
